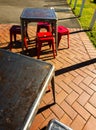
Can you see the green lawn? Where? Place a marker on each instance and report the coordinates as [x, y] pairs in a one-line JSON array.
[[85, 19]]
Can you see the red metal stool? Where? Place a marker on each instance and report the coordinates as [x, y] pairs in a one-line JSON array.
[[63, 31], [41, 25], [44, 37], [14, 30]]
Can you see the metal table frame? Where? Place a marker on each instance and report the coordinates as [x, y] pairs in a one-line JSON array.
[[38, 15], [20, 90]]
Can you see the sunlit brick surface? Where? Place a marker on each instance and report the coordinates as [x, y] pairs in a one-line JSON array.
[[75, 79]]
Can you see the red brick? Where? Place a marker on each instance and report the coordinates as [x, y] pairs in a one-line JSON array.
[[62, 59], [57, 88], [94, 81], [74, 73], [86, 88], [80, 110], [69, 110], [91, 124], [68, 78], [92, 86], [66, 120], [59, 78], [88, 72], [45, 112], [93, 100], [58, 64], [91, 68], [91, 109], [88, 80], [65, 87], [56, 109], [78, 123], [78, 79], [82, 73], [71, 97], [39, 119], [76, 88], [68, 60], [48, 97], [83, 98], [61, 96], [45, 122]]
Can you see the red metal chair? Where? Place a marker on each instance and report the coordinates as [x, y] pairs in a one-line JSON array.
[[44, 25], [44, 37], [62, 31], [14, 30]]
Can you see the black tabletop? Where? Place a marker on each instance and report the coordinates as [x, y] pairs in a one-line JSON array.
[[38, 14], [22, 79]]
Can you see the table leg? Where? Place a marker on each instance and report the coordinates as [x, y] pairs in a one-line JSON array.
[[54, 27], [22, 34], [56, 37], [53, 88]]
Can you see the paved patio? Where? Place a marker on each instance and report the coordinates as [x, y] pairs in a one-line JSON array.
[[75, 80], [75, 71]]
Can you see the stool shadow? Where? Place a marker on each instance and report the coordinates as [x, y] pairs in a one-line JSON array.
[[46, 54], [30, 52]]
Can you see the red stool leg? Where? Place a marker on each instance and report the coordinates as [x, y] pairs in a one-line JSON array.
[[48, 29], [10, 37], [11, 44], [38, 29], [25, 43], [39, 44], [49, 88], [14, 37], [68, 38]]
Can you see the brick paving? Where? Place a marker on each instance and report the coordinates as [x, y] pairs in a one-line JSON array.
[[75, 80]]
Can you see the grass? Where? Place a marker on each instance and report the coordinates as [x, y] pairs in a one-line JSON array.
[[86, 17]]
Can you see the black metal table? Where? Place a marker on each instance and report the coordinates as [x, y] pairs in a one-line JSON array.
[[57, 125], [23, 82], [39, 15]]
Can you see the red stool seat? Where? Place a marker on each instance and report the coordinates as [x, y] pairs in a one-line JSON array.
[[63, 31], [41, 25], [14, 30], [44, 37]]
